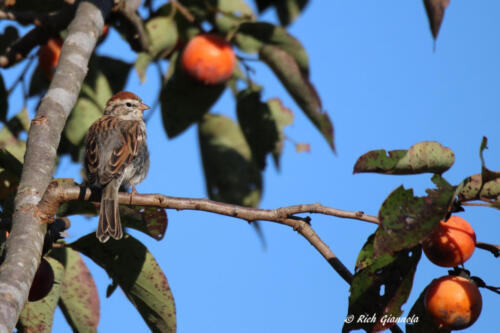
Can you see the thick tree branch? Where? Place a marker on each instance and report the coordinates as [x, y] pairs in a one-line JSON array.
[[57, 194], [24, 245]]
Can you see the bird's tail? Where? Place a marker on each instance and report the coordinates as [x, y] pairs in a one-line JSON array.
[[109, 216]]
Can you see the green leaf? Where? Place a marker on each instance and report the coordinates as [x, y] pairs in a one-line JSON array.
[[421, 322], [83, 115], [252, 36], [283, 117], [20, 122], [231, 13], [152, 221], [237, 7], [185, 29], [435, 12], [485, 185], [37, 6], [38, 83], [491, 190], [262, 124], [79, 301], [184, 101], [10, 174], [132, 266], [106, 77], [9, 36], [473, 188], [381, 285], [427, 156], [405, 219], [303, 92], [4, 100], [9, 135], [199, 9], [141, 65], [38, 316], [231, 174], [10, 163], [289, 10], [163, 35]]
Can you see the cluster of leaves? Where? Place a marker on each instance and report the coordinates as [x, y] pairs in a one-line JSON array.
[[234, 153], [185, 102], [127, 262], [131, 266], [387, 263]]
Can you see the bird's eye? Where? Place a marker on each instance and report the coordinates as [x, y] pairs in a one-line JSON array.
[[128, 104]]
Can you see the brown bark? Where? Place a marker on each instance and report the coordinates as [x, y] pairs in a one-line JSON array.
[[57, 194]]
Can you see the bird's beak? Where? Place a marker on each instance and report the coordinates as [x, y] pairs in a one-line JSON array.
[[144, 107]]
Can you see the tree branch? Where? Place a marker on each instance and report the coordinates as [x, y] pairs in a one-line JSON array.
[[46, 25], [24, 245], [138, 33], [22, 17], [183, 10], [57, 194], [494, 249]]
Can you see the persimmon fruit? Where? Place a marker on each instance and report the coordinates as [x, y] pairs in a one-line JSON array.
[[209, 59], [105, 31], [42, 283], [451, 243], [454, 302], [48, 56]]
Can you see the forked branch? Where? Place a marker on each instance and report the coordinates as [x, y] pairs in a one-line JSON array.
[[57, 194]]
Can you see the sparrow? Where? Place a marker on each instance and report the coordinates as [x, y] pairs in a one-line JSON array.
[[116, 155]]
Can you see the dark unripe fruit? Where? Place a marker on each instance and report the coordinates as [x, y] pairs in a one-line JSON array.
[[451, 243], [48, 56], [42, 283], [454, 302], [209, 59]]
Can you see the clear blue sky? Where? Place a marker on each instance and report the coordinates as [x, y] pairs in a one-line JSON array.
[[384, 87]]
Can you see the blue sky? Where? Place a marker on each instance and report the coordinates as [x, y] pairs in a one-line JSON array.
[[384, 86]]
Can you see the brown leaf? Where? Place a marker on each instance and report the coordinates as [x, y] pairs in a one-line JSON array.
[[286, 68], [79, 299], [435, 12], [303, 147]]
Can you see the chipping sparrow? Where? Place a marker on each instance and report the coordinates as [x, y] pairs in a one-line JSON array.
[[116, 154]]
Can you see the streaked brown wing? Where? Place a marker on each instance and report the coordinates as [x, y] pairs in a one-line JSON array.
[[92, 152], [99, 136]]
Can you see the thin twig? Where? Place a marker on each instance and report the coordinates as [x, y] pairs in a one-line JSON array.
[[475, 204], [495, 249], [140, 33], [149, 5], [24, 17], [183, 10], [396, 329]]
